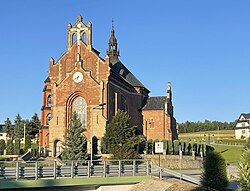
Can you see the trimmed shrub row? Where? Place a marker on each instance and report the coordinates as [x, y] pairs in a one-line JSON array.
[[172, 148]]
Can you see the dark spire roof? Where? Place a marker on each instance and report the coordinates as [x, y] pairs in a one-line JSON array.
[[112, 51], [112, 39]]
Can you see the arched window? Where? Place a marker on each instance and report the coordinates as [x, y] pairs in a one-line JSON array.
[[84, 38], [73, 38], [48, 118], [49, 101], [79, 106]]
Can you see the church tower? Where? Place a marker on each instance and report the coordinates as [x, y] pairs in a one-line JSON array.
[[113, 51], [77, 82]]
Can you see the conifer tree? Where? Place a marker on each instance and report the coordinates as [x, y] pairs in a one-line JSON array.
[[17, 146], [19, 129], [8, 128], [27, 144], [9, 147], [75, 145], [245, 168], [120, 139], [33, 126], [2, 146], [214, 172]]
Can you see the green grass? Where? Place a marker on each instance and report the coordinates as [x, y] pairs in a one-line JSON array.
[[71, 182], [231, 154], [204, 135]]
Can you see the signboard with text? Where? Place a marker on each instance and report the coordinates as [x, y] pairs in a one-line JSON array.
[[158, 147]]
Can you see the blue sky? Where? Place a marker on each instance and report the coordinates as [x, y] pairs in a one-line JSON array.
[[202, 47]]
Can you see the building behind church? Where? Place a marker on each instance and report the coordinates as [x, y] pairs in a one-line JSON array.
[[96, 88]]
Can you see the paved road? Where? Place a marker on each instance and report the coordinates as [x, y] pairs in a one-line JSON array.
[[197, 174]]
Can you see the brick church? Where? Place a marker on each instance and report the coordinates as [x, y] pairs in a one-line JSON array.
[[95, 88]]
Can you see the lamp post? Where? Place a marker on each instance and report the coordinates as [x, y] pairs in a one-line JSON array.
[[24, 132], [99, 107]]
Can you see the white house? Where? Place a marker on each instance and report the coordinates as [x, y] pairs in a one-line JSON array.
[[242, 126], [2, 134]]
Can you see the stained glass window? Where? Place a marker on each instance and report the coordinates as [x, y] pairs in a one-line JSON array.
[[79, 106]]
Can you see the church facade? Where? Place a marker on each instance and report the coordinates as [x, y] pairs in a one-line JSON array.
[[93, 87]]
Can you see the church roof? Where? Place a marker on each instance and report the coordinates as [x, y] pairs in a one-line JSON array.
[[47, 80], [155, 103], [118, 68]]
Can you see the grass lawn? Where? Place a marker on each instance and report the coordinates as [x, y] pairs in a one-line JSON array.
[[230, 153], [205, 135]]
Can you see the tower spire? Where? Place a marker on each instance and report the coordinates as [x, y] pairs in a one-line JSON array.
[[113, 51]]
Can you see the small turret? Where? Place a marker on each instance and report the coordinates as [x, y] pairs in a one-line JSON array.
[[113, 51], [169, 92]]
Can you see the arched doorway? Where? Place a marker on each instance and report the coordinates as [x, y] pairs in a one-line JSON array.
[[95, 145]]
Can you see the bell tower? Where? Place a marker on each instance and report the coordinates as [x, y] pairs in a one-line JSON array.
[[81, 32], [113, 51]]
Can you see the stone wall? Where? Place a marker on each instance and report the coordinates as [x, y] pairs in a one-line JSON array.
[[173, 161]]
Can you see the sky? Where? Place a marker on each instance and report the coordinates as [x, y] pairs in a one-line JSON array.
[[201, 47]]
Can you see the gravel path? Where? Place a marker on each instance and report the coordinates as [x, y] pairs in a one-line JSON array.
[[154, 184]]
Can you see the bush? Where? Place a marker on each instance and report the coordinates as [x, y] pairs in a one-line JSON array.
[[214, 172], [2, 146]]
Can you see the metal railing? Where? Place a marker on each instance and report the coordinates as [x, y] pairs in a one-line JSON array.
[[20, 170]]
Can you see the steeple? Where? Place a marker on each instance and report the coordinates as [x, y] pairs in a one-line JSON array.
[[169, 109], [112, 51], [169, 92]]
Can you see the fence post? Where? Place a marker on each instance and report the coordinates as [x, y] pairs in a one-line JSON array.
[[160, 173], [54, 170], [17, 170], [89, 165], [147, 168], [72, 169], [119, 168], [104, 168], [193, 155], [36, 170], [133, 167]]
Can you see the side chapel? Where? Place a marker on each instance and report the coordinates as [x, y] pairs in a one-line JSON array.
[[95, 88]]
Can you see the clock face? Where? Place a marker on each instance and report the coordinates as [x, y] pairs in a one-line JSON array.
[[77, 77]]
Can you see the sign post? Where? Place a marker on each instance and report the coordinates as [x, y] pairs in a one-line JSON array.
[[159, 150]]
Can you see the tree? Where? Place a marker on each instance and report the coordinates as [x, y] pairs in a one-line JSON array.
[[17, 147], [214, 172], [245, 168], [33, 126], [10, 147], [75, 145], [19, 128], [8, 128], [120, 139], [27, 144], [2, 146]]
